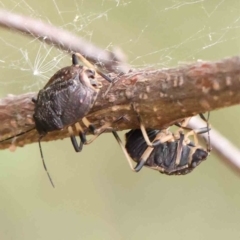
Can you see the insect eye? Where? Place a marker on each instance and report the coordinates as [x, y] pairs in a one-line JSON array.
[[90, 73]]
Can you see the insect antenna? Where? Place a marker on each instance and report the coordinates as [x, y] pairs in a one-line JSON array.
[[17, 135], [44, 165], [40, 148]]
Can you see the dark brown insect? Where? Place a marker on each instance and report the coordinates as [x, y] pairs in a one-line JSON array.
[[67, 97]]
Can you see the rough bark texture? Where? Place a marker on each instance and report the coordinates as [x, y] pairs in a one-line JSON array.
[[161, 97]]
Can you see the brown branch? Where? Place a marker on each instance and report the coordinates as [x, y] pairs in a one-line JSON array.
[[160, 96], [62, 39]]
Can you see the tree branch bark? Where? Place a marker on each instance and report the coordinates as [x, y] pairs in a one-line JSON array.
[[161, 97]]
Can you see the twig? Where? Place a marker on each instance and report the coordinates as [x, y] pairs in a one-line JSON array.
[[226, 151], [161, 97], [62, 39]]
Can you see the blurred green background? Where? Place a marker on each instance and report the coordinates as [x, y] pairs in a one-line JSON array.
[[96, 194]]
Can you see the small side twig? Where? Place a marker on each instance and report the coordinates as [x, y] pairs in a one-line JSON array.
[[226, 151]]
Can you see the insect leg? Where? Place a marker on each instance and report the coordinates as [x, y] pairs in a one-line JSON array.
[[124, 150], [93, 130], [77, 147], [206, 120], [144, 131], [203, 117], [82, 135], [88, 64], [195, 132], [179, 149], [143, 159], [100, 130], [159, 139], [183, 124], [89, 125]]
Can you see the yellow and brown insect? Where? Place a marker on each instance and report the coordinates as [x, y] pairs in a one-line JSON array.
[[169, 153]]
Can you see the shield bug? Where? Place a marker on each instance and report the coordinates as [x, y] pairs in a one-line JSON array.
[[65, 99], [171, 154]]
